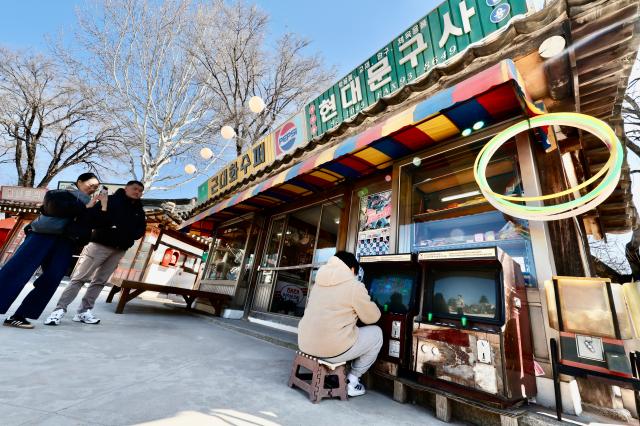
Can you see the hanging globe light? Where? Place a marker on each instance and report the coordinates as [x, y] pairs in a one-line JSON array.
[[227, 132], [190, 169], [206, 153], [256, 104]]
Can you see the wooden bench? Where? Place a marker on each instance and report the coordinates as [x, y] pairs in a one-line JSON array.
[[132, 289]]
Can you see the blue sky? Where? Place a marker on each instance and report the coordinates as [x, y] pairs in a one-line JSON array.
[[344, 32]]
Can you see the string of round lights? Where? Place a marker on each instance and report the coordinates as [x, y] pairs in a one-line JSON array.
[[609, 175]]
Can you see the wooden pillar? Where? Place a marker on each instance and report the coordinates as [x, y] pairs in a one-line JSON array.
[[566, 240]]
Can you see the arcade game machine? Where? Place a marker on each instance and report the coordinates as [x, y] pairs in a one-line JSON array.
[[593, 323], [392, 282], [473, 334]]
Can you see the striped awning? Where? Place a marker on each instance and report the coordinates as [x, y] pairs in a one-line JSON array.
[[490, 96]]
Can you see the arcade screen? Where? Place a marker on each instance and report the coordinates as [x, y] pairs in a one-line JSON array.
[[465, 293], [586, 308], [393, 291]]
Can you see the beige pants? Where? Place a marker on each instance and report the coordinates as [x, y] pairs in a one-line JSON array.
[[364, 352], [96, 263]]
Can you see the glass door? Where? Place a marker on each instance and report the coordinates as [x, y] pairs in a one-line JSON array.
[[298, 243]]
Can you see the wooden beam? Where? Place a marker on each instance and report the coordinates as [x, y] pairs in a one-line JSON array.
[[531, 68]]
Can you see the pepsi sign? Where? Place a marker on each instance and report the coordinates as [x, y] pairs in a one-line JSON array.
[[286, 137], [290, 135]]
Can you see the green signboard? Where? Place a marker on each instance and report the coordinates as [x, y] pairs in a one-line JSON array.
[[433, 40], [203, 191]]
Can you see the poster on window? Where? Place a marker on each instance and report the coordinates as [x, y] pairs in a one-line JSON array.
[[374, 223]]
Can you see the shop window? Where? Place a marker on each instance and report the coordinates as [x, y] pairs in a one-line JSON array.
[[298, 244], [444, 208], [291, 287], [270, 258], [228, 253]]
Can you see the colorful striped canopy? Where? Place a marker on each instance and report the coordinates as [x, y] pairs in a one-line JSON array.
[[490, 96]]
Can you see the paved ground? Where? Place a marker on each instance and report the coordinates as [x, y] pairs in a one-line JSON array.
[[160, 365]]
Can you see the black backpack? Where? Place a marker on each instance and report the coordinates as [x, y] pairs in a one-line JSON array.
[[61, 203]]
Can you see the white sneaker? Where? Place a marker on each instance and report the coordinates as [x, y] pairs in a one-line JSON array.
[[55, 317], [355, 389], [86, 317]]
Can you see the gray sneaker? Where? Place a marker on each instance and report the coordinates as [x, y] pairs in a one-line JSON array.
[[355, 389], [55, 317], [86, 317]]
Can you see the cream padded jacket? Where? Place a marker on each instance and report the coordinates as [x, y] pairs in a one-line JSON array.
[[337, 300]]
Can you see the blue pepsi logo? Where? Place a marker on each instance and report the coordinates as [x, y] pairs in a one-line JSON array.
[[287, 136]]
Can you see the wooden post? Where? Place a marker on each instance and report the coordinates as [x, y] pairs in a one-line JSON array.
[[569, 257], [443, 408], [508, 421], [399, 392]]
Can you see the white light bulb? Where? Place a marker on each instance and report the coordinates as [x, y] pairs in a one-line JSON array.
[[190, 169], [256, 104], [206, 153], [227, 132], [417, 161]]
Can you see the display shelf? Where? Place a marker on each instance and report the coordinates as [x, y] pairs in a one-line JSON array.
[[454, 212], [510, 243]]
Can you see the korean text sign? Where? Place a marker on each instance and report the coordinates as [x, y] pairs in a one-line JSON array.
[[257, 157], [436, 38]]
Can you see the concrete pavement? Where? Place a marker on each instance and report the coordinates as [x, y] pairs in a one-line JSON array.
[[160, 365]]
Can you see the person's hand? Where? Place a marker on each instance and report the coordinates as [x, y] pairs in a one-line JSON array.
[[93, 202], [104, 200]]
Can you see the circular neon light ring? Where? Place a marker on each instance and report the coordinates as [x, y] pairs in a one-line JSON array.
[[611, 170]]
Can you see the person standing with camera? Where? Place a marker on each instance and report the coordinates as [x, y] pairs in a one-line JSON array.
[[65, 223], [101, 256]]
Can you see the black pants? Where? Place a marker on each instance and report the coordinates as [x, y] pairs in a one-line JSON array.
[[53, 254]]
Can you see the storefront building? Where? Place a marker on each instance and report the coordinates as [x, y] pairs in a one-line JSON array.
[[381, 162], [20, 206]]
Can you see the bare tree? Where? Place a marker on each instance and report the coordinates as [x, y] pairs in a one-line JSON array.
[[611, 252], [631, 115], [49, 120], [229, 41], [135, 51]]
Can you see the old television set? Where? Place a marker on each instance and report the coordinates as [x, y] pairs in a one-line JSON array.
[[392, 282], [591, 317], [472, 333], [469, 295]]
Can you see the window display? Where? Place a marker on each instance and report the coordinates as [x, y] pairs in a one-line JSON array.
[[446, 209], [228, 253]]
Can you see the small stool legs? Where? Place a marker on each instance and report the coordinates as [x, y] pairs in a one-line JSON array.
[[314, 383]]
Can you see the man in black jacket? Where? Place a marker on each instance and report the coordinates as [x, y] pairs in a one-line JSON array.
[[101, 256]]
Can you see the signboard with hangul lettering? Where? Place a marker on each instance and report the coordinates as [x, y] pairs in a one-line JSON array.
[[22, 194], [248, 163], [433, 40]]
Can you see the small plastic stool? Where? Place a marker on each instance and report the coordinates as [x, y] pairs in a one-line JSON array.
[[314, 383]]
